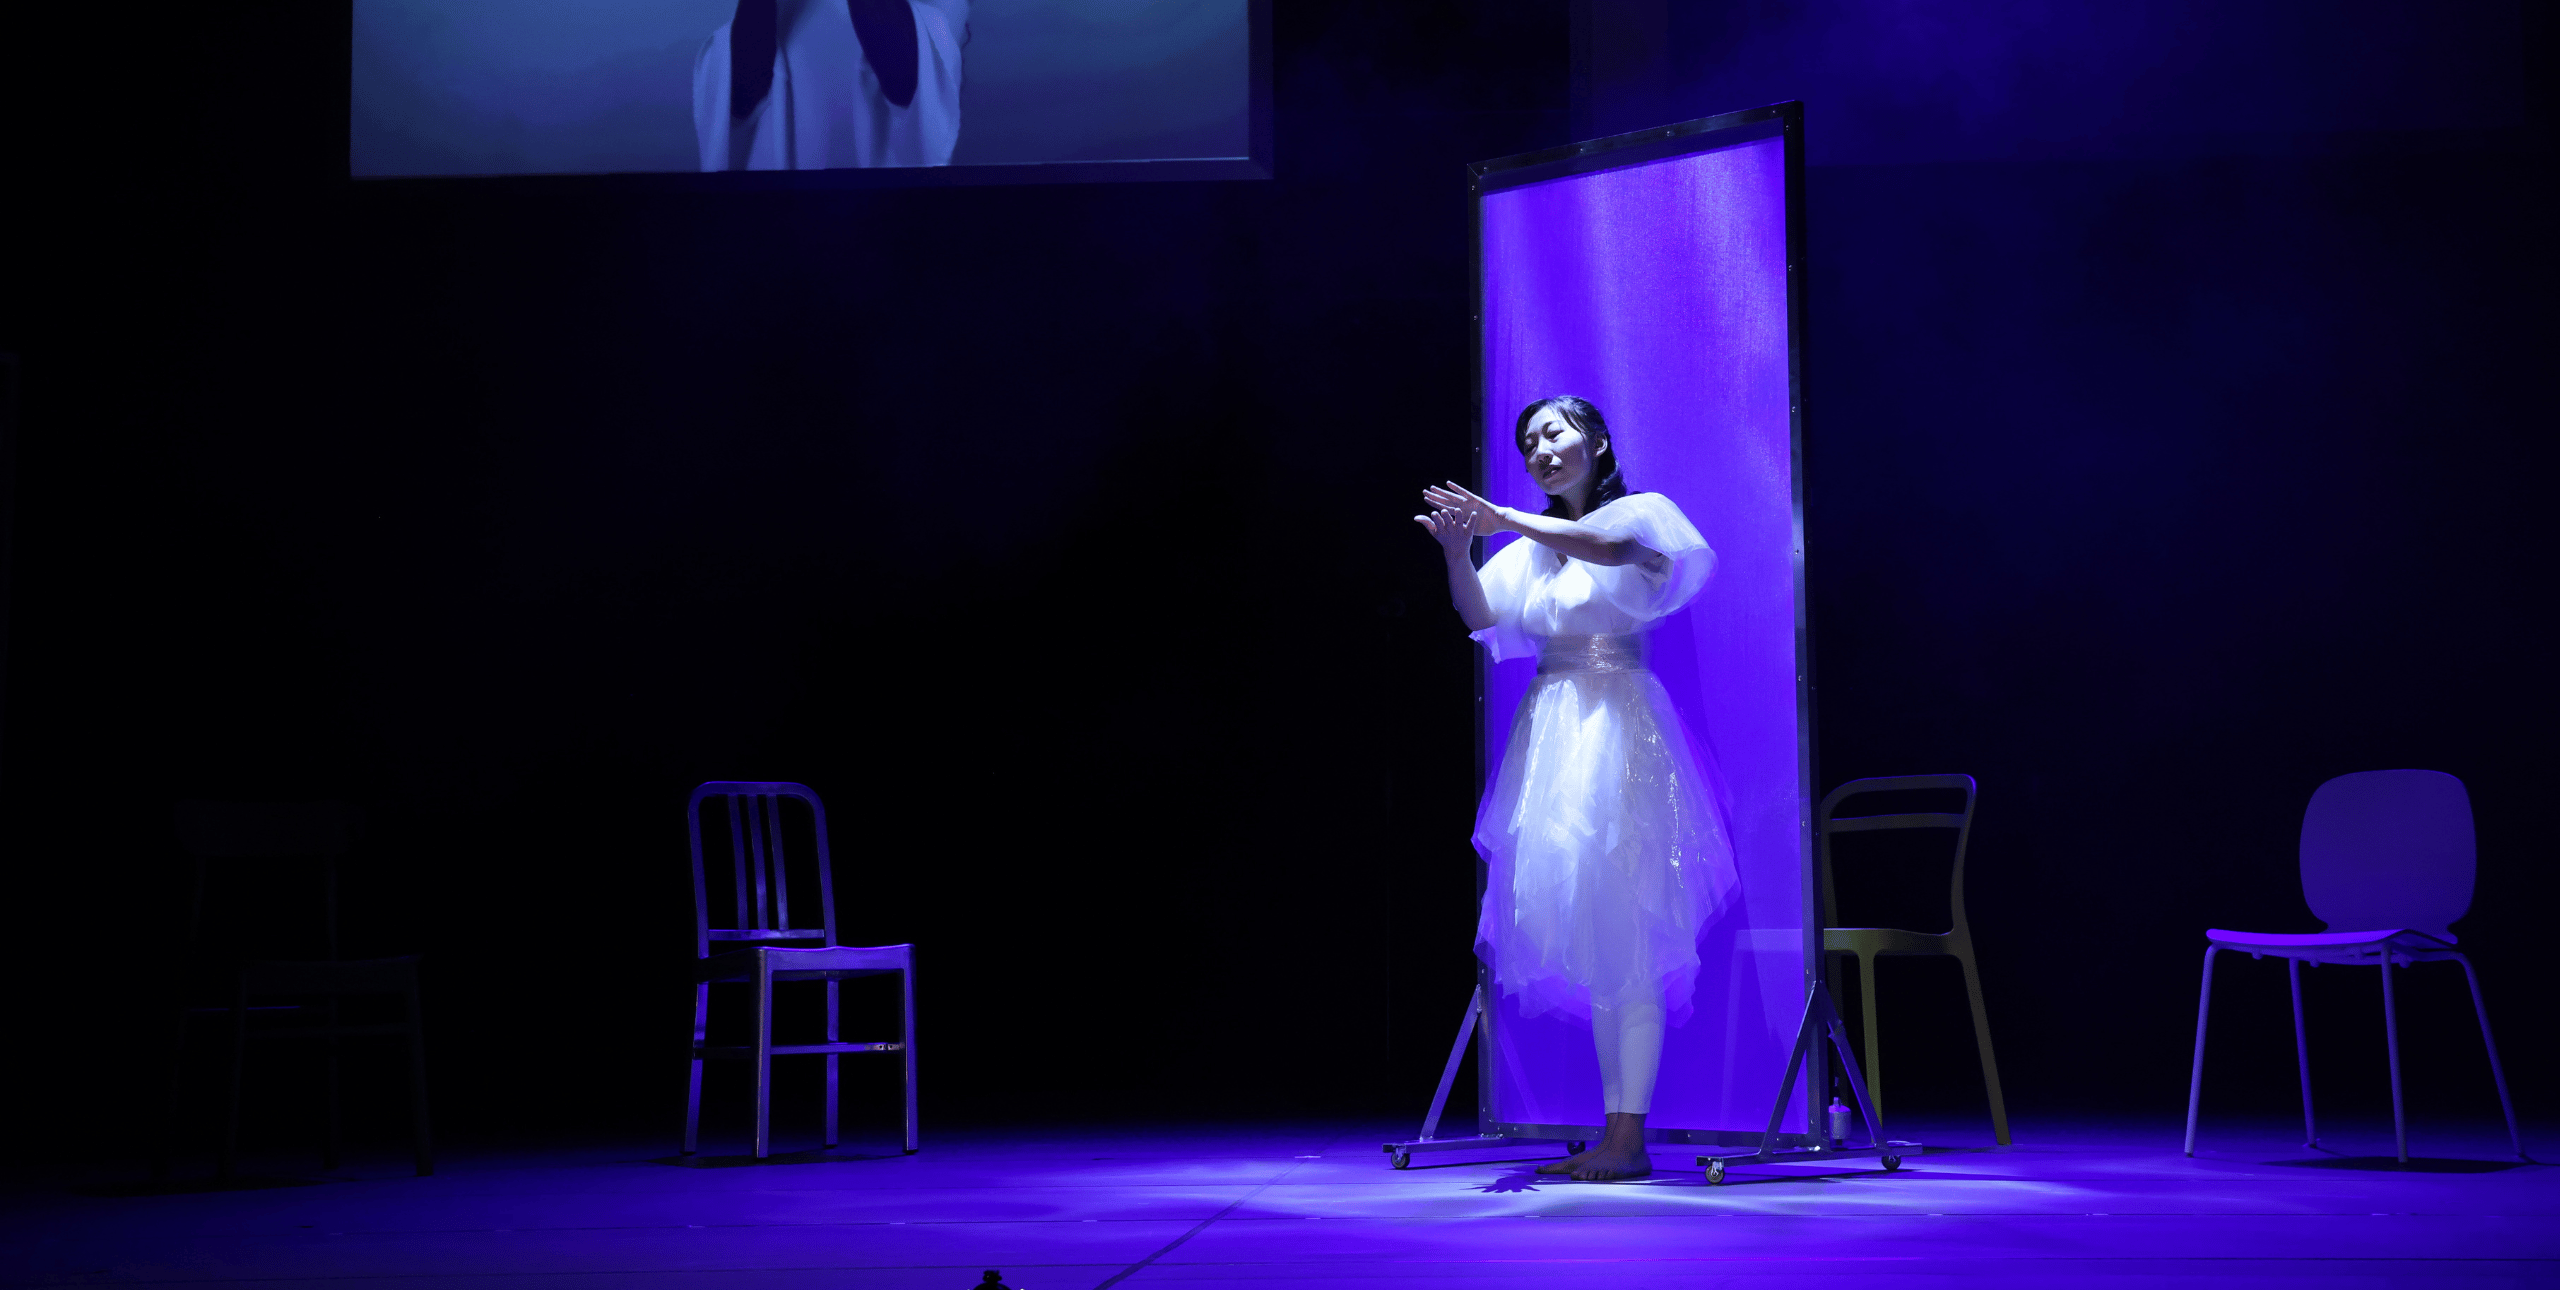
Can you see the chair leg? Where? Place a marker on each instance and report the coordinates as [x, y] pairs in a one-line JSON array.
[[2391, 1040], [1867, 1016], [164, 1140], [329, 1142], [763, 986], [422, 1142], [2498, 1072], [2302, 1053], [693, 1087], [2195, 1072], [907, 1013], [1982, 1043], [831, 1064], [231, 1089]]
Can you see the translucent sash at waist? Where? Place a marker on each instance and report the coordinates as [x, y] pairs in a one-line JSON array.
[[1591, 654]]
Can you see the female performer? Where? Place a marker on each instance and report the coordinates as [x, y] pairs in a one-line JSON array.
[[1607, 853]]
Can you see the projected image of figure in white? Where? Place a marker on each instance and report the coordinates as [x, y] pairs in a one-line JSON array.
[[1607, 854], [563, 87], [820, 84]]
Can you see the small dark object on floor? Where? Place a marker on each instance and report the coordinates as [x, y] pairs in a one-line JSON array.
[[994, 1281]]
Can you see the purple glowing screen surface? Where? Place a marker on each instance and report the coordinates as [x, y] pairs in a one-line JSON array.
[[1659, 291]]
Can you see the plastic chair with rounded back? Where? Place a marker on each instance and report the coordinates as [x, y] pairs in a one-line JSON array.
[[2388, 859], [1867, 944]]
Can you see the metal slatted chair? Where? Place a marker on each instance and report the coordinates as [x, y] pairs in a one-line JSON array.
[[291, 999], [759, 903], [2388, 858], [1867, 944]]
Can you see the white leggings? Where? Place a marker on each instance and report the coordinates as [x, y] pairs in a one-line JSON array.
[[1629, 1038]]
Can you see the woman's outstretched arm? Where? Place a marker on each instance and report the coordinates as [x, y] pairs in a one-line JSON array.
[[1574, 538], [1466, 591]]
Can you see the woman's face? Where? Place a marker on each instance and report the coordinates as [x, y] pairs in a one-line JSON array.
[[1558, 455]]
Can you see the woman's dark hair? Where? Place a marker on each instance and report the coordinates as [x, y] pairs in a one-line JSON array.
[[1581, 415]]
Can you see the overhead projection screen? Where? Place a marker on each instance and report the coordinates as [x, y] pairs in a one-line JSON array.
[[865, 90], [1651, 274]]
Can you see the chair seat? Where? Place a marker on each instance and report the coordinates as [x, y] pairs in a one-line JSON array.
[[331, 976], [1885, 940], [332, 1032], [806, 965], [2332, 947]]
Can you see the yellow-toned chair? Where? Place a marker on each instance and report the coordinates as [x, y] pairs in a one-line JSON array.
[[1867, 944]]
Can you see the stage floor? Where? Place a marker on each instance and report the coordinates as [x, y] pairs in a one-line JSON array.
[[2111, 1206]]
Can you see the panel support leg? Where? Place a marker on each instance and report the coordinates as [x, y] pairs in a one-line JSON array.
[[1821, 1022], [1449, 1072]]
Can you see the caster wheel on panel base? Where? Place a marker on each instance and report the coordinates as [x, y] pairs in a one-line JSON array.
[[1715, 1172], [1892, 1163], [1401, 1160], [1576, 1148]]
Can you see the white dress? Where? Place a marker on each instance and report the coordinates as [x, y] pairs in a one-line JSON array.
[[826, 109], [1607, 854]]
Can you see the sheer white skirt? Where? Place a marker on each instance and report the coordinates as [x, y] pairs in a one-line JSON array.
[[1607, 854]]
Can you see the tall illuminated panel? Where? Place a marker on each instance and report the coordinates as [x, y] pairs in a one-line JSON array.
[[1654, 274]]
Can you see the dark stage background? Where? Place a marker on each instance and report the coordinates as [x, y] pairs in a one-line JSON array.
[[2177, 429]]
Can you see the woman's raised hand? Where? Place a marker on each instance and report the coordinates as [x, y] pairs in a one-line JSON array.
[[1447, 529], [1482, 518], [1457, 518]]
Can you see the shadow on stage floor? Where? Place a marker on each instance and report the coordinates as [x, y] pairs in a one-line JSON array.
[[2099, 1204]]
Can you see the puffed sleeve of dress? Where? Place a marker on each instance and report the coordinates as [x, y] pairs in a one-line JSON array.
[[1505, 578], [1659, 586]]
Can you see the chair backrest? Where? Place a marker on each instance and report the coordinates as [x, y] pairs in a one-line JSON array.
[[2389, 848], [265, 830], [1828, 823], [247, 832], [755, 890]]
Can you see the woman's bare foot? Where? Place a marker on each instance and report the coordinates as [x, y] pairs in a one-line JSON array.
[[1619, 1154]]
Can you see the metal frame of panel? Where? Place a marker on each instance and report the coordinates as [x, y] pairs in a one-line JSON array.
[[1783, 121]]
